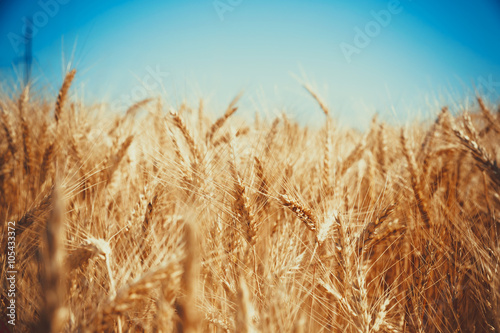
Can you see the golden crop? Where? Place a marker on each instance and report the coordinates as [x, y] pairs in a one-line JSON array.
[[162, 221]]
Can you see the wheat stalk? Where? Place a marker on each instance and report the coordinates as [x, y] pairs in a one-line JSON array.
[[54, 313]]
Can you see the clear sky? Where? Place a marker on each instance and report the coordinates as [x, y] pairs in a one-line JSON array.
[[393, 57]]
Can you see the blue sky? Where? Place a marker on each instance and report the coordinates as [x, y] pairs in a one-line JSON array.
[[423, 54]]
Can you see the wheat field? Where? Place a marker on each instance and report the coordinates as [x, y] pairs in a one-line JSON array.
[[169, 219]]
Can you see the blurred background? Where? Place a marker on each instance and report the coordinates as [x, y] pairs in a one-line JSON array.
[[403, 59]]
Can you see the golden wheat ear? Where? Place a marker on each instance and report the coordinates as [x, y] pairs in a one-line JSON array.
[[231, 109], [181, 125], [482, 157], [241, 205], [9, 134], [416, 183], [63, 94], [302, 212]]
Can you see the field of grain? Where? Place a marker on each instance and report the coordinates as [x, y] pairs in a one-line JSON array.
[[167, 219]]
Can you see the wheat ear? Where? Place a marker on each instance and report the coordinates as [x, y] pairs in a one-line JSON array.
[[263, 187], [8, 132], [63, 94], [485, 162], [415, 180], [46, 162], [179, 123], [302, 212], [241, 206], [28, 153], [231, 109], [33, 215]]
